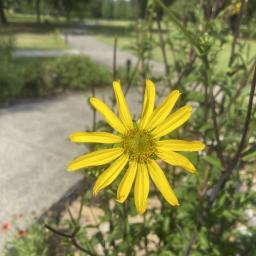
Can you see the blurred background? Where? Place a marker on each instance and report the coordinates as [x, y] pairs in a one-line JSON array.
[[54, 54]]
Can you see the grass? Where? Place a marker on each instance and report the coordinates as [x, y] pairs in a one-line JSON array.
[[30, 35], [38, 41], [126, 38]]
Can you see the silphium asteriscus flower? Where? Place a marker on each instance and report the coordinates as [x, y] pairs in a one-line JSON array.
[[134, 147]]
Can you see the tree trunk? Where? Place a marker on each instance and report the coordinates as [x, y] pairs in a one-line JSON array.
[[3, 19], [38, 11]]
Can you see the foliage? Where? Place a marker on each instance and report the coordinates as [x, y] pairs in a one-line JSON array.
[[33, 242], [10, 82], [217, 204], [107, 9], [73, 72], [35, 78]]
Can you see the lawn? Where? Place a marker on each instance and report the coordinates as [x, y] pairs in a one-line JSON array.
[[48, 41], [30, 35], [106, 32]]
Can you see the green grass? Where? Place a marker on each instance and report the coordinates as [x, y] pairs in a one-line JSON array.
[[31, 18], [30, 35], [126, 38], [46, 41], [38, 41]]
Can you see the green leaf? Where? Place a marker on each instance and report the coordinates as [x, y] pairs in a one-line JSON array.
[[214, 161]]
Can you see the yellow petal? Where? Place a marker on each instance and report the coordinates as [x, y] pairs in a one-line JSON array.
[[176, 159], [123, 109], [109, 175], [180, 145], [96, 158], [95, 137], [125, 185], [108, 114], [161, 112], [158, 177], [172, 122], [148, 104], [141, 188]]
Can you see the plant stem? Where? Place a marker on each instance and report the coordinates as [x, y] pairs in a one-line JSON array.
[[209, 85], [188, 35], [114, 58], [163, 49]]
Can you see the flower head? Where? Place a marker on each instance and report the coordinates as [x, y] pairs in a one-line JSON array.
[[6, 226], [138, 145]]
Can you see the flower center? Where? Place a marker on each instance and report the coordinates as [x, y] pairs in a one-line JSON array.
[[139, 144]]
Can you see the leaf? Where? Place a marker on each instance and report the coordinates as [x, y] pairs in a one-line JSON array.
[[250, 156], [214, 161], [166, 253]]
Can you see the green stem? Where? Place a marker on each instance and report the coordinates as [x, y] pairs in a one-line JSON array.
[[188, 35]]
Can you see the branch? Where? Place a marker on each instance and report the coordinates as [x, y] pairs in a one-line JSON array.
[[114, 58], [236, 34], [230, 168], [190, 244], [163, 49], [213, 110]]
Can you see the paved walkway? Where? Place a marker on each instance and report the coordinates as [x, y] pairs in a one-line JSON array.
[[102, 53]]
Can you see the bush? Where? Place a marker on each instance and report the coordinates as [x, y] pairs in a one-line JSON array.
[[10, 82], [31, 77], [33, 242], [73, 72]]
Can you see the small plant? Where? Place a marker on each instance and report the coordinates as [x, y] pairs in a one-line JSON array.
[[32, 242]]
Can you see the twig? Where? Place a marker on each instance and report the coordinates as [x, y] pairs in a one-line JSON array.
[[114, 58], [71, 216], [190, 244], [145, 237], [236, 34], [60, 233], [213, 110], [78, 246], [242, 85], [188, 67], [188, 35], [81, 203], [132, 77], [93, 111], [163, 49], [71, 238]]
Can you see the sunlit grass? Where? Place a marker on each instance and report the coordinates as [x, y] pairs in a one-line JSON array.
[[128, 39], [40, 41]]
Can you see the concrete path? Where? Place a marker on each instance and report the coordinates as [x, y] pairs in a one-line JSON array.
[[34, 151], [102, 53]]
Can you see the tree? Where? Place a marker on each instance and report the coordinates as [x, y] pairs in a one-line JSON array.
[[94, 8], [3, 19], [38, 11], [122, 9], [107, 9]]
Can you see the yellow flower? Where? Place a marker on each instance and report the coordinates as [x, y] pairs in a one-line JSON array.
[[138, 145]]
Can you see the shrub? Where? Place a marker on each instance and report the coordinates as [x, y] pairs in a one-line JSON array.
[[10, 82], [31, 77], [73, 72], [33, 242]]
